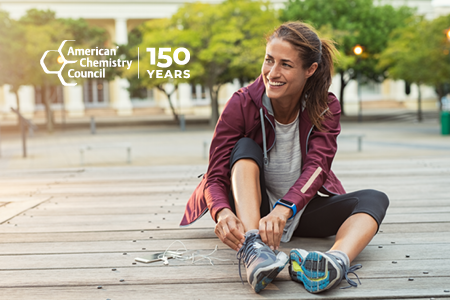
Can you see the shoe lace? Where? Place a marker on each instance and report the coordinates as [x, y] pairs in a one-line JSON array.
[[352, 270], [247, 252]]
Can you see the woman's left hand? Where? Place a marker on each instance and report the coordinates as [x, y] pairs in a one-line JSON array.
[[271, 226]]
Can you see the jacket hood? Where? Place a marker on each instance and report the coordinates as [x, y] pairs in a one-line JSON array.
[[256, 90]]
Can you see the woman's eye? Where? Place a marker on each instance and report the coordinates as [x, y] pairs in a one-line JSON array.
[[286, 65], [268, 60]]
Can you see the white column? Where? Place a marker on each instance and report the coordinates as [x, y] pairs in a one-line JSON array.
[[351, 98], [121, 98], [184, 98], [26, 95], [121, 36], [73, 100]]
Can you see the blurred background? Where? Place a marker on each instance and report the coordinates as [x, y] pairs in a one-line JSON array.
[[393, 62]]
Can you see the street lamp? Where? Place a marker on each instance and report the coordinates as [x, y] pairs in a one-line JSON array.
[[358, 50]]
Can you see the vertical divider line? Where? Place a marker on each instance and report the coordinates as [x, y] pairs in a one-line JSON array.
[[138, 62]]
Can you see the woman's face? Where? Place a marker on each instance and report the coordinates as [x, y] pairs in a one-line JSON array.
[[283, 73]]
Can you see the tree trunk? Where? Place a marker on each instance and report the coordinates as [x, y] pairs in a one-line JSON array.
[[440, 92], [419, 105], [169, 97], [48, 109], [341, 92], [17, 99], [214, 95], [174, 113]]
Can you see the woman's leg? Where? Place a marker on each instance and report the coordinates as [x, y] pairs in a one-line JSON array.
[[354, 218], [355, 234], [245, 187], [249, 201], [248, 197]]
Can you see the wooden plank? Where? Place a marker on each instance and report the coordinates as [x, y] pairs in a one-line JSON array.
[[136, 208], [205, 222], [130, 226], [185, 233], [400, 234], [412, 218], [420, 203], [15, 208], [109, 254], [185, 272], [279, 289], [172, 220]]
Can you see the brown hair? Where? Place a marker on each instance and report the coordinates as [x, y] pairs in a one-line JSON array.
[[311, 49]]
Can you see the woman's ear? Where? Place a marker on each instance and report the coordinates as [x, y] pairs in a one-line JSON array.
[[311, 70]]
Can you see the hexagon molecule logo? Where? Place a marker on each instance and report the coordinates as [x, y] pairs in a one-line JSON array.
[[62, 67]]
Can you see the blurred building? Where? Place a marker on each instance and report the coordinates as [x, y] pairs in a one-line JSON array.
[[99, 97]]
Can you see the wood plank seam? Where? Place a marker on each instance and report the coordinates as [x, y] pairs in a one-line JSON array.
[[25, 210]]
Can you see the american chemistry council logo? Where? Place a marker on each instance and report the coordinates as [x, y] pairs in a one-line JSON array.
[[104, 63], [62, 67]]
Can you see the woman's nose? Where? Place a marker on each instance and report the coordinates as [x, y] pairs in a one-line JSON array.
[[274, 71]]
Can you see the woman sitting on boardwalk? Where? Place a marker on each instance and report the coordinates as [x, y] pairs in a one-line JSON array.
[[269, 176]]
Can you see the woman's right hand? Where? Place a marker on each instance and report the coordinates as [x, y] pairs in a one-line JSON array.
[[229, 229]]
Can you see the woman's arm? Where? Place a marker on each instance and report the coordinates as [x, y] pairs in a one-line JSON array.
[[321, 150], [228, 131]]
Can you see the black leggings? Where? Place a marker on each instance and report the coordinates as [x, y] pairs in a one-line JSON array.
[[323, 216]]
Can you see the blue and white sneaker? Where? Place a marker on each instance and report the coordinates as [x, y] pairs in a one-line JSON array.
[[320, 271], [297, 257], [262, 264]]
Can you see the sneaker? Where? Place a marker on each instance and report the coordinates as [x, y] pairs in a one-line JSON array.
[[262, 264], [322, 271], [297, 257]]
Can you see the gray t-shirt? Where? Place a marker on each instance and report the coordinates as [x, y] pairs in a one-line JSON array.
[[284, 168]]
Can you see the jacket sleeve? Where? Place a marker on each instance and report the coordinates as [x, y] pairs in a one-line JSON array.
[[320, 152], [229, 129]]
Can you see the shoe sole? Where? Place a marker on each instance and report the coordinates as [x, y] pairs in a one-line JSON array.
[[297, 257], [264, 276], [318, 272]]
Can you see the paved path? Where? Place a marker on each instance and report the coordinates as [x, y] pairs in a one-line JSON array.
[[167, 145]]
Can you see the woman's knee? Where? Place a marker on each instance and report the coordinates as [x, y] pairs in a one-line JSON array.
[[245, 164], [375, 203], [246, 149], [381, 199]]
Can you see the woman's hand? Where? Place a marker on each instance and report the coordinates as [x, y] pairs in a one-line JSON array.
[[229, 229], [271, 226]]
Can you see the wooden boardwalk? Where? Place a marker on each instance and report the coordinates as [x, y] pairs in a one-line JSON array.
[[74, 234]]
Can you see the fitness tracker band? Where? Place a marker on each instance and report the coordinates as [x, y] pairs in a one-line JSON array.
[[288, 204]]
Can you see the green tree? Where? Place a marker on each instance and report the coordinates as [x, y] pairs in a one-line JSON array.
[[229, 42], [156, 34], [225, 41], [419, 53], [23, 43], [351, 22]]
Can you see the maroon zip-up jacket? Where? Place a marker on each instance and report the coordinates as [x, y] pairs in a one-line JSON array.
[[240, 118]]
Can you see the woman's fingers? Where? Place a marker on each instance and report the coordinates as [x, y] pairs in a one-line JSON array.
[[230, 231], [276, 236], [271, 231], [221, 232], [262, 231]]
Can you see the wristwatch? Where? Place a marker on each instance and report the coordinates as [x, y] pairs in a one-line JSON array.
[[288, 204]]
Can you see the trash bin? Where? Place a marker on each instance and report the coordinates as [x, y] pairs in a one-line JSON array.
[[445, 122]]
